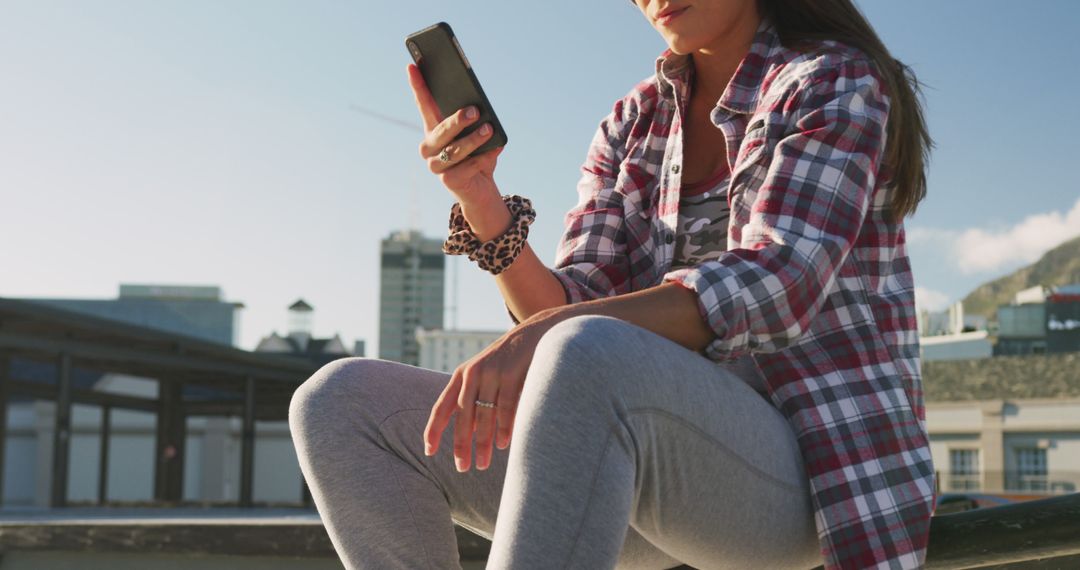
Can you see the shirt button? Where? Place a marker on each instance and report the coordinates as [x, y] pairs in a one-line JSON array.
[[669, 238], [675, 168]]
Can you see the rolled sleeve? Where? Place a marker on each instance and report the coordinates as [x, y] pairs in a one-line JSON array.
[[591, 260], [763, 294]]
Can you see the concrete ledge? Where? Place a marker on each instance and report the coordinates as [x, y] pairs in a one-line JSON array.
[[1041, 534], [43, 560], [233, 532], [1035, 535], [1019, 533]]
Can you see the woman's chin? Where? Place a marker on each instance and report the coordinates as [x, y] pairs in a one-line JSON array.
[[682, 45]]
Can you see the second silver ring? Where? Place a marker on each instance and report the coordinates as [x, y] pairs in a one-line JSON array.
[[484, 404], [445, 154]]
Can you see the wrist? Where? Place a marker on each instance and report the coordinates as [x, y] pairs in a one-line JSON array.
[[495, 253], [540, 322], [488, 218], [552, 316]]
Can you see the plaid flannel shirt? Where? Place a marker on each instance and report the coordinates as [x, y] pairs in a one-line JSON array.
[[815, 284]]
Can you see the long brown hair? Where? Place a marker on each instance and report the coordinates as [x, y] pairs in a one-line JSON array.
[[908, 145]]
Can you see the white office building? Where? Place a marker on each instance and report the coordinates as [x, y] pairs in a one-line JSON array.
[[958, 346], [1008, 424], [445, 349]]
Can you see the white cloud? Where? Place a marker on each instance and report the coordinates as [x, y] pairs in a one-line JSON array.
[[919, 235], [977, 250], [930, 300]]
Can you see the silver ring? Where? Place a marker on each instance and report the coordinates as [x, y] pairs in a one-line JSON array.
[[445, 154], [484, 404]]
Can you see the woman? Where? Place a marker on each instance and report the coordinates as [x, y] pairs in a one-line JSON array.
[[722, 368]]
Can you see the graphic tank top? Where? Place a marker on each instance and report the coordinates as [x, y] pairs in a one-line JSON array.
[[701, 234]]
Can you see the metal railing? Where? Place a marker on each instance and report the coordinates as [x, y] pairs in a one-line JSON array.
[[1052, 483]]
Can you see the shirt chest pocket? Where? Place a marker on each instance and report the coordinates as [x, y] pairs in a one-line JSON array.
[[639, 189]]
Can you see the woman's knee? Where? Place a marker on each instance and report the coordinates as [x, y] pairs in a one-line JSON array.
[[579, 358], [586, 339], [338, 390]]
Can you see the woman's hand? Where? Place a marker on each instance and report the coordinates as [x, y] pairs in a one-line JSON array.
[[497, 375], [471, 180]]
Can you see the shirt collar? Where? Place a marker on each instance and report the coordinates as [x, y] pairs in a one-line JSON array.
[[674, 72]]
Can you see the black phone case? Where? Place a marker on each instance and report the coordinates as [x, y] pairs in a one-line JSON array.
[[451, 80]]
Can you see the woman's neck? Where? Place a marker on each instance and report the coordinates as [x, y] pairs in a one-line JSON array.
[[715, 65]]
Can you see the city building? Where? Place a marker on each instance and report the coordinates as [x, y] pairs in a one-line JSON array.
[[299, 341], [411, 288], [958, 346], [213, 442], [212, 452], [445, 349], [1040, 320], [195, 311], [951, 321], [1063, 319], [951, 335], [96, 410], [1005, 425]]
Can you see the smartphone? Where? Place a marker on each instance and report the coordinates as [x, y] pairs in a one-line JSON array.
[[451, 80]]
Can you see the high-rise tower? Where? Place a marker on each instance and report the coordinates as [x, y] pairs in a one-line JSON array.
[[411, 285]]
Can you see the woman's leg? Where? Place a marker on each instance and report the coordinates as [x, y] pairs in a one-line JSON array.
[[357, 425], [618, 426]]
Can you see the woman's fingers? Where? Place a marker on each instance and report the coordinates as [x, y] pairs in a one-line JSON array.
[[463, 434], [447, 130], [446, 150], [443, 138], [466, 420], [459, 151], [475, 380], [506, 409], [429, 110], [441, 413], [485, 425]]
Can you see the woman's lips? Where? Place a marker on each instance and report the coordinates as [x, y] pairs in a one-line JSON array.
[[666, 19]]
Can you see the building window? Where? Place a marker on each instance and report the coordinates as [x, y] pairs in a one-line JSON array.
[[963, 469], [1030, 469]]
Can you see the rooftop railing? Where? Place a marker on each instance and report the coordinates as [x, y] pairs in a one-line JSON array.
[[1054, 482]]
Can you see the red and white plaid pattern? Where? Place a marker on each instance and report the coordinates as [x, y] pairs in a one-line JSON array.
[[816, 282]]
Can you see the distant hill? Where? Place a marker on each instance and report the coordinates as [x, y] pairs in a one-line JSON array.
[[1059, 266]]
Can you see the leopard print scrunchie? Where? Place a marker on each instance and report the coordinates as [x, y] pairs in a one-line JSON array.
[[496, 255]]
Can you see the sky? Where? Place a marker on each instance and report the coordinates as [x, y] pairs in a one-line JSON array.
[[219, 142]]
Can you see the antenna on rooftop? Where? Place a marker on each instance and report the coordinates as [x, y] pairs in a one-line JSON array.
[[453, 291], [415, 127], [414, 201]]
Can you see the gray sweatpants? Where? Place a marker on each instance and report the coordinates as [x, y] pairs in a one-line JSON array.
[[628, 451]]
